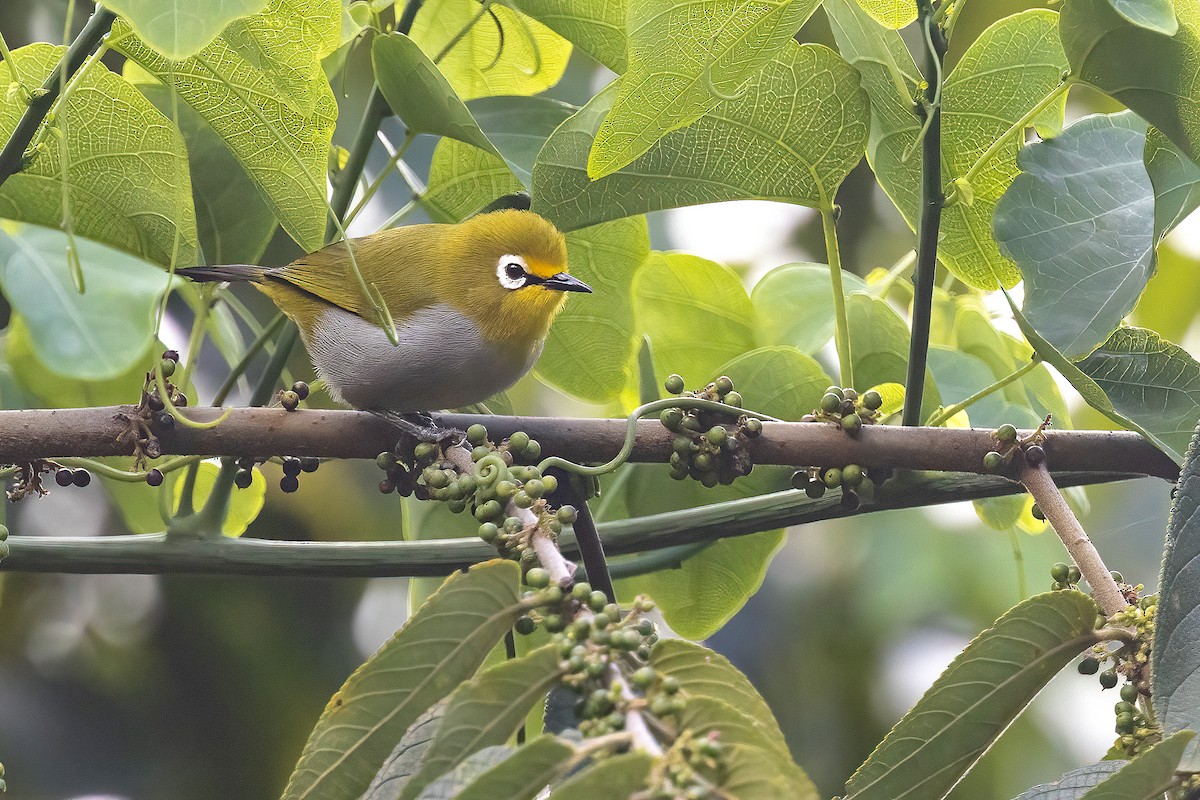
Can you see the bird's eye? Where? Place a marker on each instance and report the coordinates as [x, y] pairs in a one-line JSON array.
[[511, 272]]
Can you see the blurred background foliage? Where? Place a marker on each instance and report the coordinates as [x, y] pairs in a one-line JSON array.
[[198, 687]]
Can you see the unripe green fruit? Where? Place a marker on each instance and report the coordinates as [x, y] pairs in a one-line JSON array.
[[532, 451], [724, 385], [702, 461], [480, 452], [567, 514], [1036, 511], [525, 625], [289, 400], [830, 403], [457, 506], [671, 418], [833, 477], [489, 532], [643, 678], [553, 623], [733, 399], [1125, 723], [1116, 576], [552, 595], [521, 499], [518, 442], [645, 627], [538, 578], [670, 684], [581, 590], [425, 451], [1125, 707], [597, 600], [852, 423], [1073, 574], [385, 460], [691, 423], [872, 400], [852, 475], [534, 488], [550, 483], [1060, 571], [1089, 665], [753, 427], [674, 384], [437, 479], [166, 367], [716, 435], [1006, 433], [477, 434], [505, 489], [992, 461], [1129, 693], [489, 511], [836, 390], [1108, 678]]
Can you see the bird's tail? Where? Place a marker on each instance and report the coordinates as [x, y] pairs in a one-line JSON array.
[[225, 272]]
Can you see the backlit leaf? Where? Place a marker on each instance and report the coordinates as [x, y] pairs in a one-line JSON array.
[[793, 305], [1176, 181], [1148, 775], [464, 179], [182, 28], [519, 126], [894, 14], [1155, 15], [615, 778], [244, 504], [595, 26], [1073, 784]]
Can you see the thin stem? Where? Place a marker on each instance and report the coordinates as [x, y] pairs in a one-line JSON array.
[[902, 265], [1016, 128], [11, 157], [948, 412], [239, 369], [841, 330], [13, 72], [930, 218], [484, 8], [373, 186], [283, 349], [591, 549], [1019, 561], [196, 337], [1060, 516]]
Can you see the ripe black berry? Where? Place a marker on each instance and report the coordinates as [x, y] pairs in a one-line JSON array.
[[154, 477], [289, 483]]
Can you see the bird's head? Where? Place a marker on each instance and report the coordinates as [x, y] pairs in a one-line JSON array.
[[513, 273]]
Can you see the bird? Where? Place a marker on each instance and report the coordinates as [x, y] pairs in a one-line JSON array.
[[472, 303]]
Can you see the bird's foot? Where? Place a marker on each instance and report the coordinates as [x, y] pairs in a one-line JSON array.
[[420, 425]]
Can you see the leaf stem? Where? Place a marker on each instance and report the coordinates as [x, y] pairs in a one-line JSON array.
[[13, 71], [239, 369], [948, 412], [930, 220], [841, 330], [1016, 128], [13, 154], [373, 187]]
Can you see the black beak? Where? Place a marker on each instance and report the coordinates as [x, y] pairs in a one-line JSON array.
[[566, 283]]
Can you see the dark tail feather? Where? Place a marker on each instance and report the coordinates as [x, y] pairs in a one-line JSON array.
[[224, 272]]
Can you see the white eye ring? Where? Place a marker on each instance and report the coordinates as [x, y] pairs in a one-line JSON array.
[[512, 271]]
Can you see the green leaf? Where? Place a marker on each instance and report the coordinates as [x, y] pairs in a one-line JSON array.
[[1176, 182], [959, 375], [704, 673], [894, 14], [126, 171], [1152, 382], [419, 93], [793, 305], [684, 59], [708, 715], [1175, 668], [486, 711], [1073, 784], [73, 334], [526, 58], [590, 348], [976, 698], [260, 86], [1008, 70], [792, 135], [520, 776], [439, 646], [752, 774], [1079, 222], [1153, 74], [448, 786], [595, 26], [235, 225], [695, 312], [463, 179], [615, 778], [407, 757], [519, 126], [1148, 775], [879, 346], [1153, 15], [244, 504], [710, 587], [182, 28]]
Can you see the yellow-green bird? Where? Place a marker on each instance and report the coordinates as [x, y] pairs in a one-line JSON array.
[[472, 304]]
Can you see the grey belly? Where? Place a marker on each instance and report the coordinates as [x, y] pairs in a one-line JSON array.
[[441, 361]]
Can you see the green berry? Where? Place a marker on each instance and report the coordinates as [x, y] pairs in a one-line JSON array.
[[1073, 574], [670, 684], [289, 400], [457, 506], [525, 625], [674, 384], [550, 483], [1116, 576], [567, 514], [833, 477], [1037, 512], [166, 367], [385, 460], [716, 435], [505, 489], [581, 590], [1060, 571], [872, 400], [852, 475], [534, 488], [425, 451], [477, 434], [643, 678], [1006, 433], [671, 418], [1129, 693], [437, 479], [703, 461], [597, 600], [852, 423], [521, 499], [538, 578], [753, 427], [1125, 723], [1089, 665], [518, 442], [553, 623], [830, 403], [1108, 678], [724, 385], [1125, 707], [836, 390], [532, 451], [992, 461], [733, 399], [489, 532], [489, 511]]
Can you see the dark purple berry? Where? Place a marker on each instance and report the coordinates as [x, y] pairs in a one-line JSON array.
[[63, 477], [81, 477], [310, 463], [291, 467], [1034, 455], [170, 355], [301, 389], [243, 478], [289, 483], [154, 477]]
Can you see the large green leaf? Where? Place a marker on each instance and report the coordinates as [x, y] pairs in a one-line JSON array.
[[520, 776], [1175, 670], [261, 88], [976, 698], [615, 778], [792, 135], [407, 756], [234, 223], [519, 126], [1011, 67], [1176, 181], [485, 712], [501, 51], [449, 785], [1154, 15], [1073, 784], [1155, 75], [182, 28], [709, 716], [684, 59], [959, 375], [695, 312], [710, 587], [419, 93], [1079, 222], [590, 348], [1151, 381], [126, 171], [74, 334], [1148, 775], [793, 305], [894, 14], [595, 26], [879, 346], [439, 646], [463, 179], [244, 504]]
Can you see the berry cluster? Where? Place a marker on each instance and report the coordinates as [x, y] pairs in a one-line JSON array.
[[692, 769], [1008, 445], [710, 445], [290, 398], [847, 408], [852, 479], [292, 467], [151, 415], [65, 476], [28, 478], [4, 548]]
